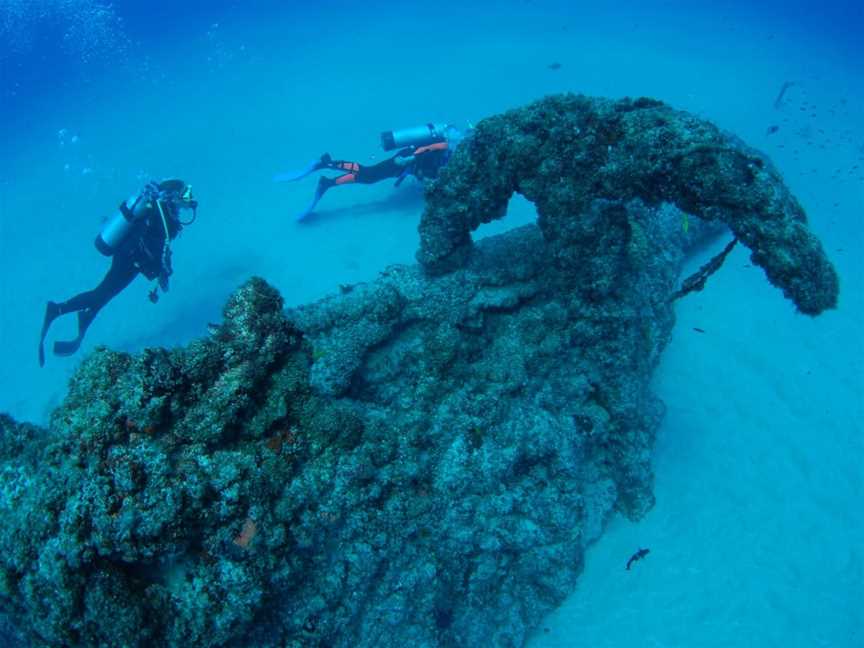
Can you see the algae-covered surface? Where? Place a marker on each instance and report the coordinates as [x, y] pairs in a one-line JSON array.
[[420, 459]]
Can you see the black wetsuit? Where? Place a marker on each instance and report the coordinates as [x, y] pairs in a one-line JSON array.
[[373, 173], [425, 165], [143, 251]]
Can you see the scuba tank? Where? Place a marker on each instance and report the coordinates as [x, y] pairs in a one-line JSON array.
[[163, 196], [416, 136], [117, 228]]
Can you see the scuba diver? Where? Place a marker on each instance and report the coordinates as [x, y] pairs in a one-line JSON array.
[[138, 240], [423, 150]]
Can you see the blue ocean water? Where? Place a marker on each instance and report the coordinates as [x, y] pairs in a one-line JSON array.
[[757, 534]]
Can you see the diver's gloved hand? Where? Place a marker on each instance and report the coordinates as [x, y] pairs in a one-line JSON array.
[[163, 281], [405, 173], [166, 270], [404, 157]]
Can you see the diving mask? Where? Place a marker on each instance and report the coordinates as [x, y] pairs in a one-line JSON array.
[[187, 199], [179, 194]]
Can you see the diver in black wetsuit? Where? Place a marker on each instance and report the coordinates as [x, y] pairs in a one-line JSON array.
[[138, 240], [423, 150]]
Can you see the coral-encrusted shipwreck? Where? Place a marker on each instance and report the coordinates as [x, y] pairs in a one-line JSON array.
[[420, 460]]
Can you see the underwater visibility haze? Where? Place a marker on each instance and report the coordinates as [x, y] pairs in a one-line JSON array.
[[534, 323]]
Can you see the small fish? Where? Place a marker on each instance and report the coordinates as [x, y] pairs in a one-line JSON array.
[[639, 555], [554, 66], [778, 102], [698, 330], [772, 129]]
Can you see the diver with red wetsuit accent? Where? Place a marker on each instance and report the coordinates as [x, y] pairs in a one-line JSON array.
[[423, 150]]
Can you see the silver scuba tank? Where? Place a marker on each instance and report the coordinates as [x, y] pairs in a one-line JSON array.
[[416, 136], [117, 228]]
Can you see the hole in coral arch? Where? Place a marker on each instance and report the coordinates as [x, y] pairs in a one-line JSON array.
[[520, 211]]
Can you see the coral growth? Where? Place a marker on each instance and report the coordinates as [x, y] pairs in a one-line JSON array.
[[421, 460], [566, 151], [453, 446]]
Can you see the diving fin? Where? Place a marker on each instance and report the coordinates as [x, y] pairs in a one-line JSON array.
[[66, 348], [323, 185], [305, 213], [293, 176], [52, 312]]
